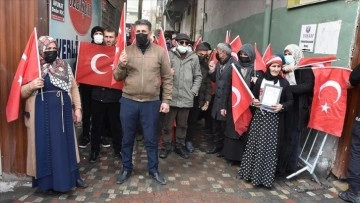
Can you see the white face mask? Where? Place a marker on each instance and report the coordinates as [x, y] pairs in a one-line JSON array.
[[98, 39], [182, 49], [289, 59]]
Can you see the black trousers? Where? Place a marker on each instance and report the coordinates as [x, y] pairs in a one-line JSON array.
[[219, 135], [101, 113], [192, 120], [354, 162], [85, 95]]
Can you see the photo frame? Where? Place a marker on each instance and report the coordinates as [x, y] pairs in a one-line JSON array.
[[270, 96]]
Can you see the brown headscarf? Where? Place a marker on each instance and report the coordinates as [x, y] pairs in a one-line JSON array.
[[59, 71]]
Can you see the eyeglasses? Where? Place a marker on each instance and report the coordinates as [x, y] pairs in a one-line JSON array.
[[183, 42]]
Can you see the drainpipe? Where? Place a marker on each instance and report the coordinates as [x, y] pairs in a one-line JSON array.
[[267, 23]]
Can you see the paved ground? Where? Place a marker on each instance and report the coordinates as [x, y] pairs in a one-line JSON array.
[[202, 178]]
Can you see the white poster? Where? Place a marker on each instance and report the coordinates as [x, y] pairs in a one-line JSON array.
[[307, 37], [327, 37], [78, 19]]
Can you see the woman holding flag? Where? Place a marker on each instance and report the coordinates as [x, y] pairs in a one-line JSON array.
[[259, 161], [52, 106]]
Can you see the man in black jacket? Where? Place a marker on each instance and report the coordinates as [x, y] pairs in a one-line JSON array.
[[105, 111], [353, 193]]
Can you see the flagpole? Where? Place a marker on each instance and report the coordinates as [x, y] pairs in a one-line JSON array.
[[302, 67], [38, 59]]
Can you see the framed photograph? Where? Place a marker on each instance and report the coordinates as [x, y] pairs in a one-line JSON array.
[[270, 96]]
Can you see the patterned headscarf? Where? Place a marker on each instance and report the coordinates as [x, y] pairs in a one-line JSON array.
[[59, 71], [295, 51]]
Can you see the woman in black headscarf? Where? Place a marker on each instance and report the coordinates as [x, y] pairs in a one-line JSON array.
[[259, 161], [234, 144]]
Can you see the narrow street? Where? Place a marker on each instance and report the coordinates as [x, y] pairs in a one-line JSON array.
[[202, 178]]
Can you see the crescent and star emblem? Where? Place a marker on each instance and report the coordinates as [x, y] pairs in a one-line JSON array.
[[93, 63], [336, 86], [237, 94]]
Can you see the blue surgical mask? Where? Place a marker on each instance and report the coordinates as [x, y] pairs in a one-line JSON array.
[[289, 59]]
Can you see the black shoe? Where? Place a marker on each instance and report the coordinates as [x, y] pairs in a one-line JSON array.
[[349, 196], [83, 143], [123, 177], [164, 153], [104, 142], [214, 150], [80, 183], [93, 157], [190, 147], [158, 178], [181, 151]]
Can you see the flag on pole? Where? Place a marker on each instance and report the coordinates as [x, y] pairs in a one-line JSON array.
[[197, 42], [132, 34], [162, 42], [259, 62], [268, 53], [236, 44], [213, 56], [27, 70], [320, 61], [241, 99], [120, 43], [227, 37], [329, 101]]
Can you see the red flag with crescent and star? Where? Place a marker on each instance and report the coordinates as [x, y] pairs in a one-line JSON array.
[[27, 70], [197, 42], [120, 45], [241, 99], [329, 101], [94, 65]]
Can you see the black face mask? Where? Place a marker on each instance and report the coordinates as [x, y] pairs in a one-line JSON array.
[[201, 59], [217, 56], [244, 59], [50, 56], [141, 39]]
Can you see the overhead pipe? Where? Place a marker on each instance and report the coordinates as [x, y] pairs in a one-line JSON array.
[[267, 23]]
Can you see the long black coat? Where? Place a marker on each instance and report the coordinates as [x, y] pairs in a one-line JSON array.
[[223, 88]]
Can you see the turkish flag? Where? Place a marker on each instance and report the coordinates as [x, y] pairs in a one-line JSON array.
[[162, 42], [268, 53], [329, 101], [235, 47], [94, 65], [241, 99], [213, 56], [259, 62], [132, 34], [197, 42], [320, 61], [120, 46], [227, 37], [27, 70], [236, 44]]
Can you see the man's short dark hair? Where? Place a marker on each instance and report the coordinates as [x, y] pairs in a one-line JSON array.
[[143, 22], [110, 29]]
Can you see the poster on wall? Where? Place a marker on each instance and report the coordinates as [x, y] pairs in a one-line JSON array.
[[307, 37], [298, 3], [327, 37], [79, 17], [57, 10]]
